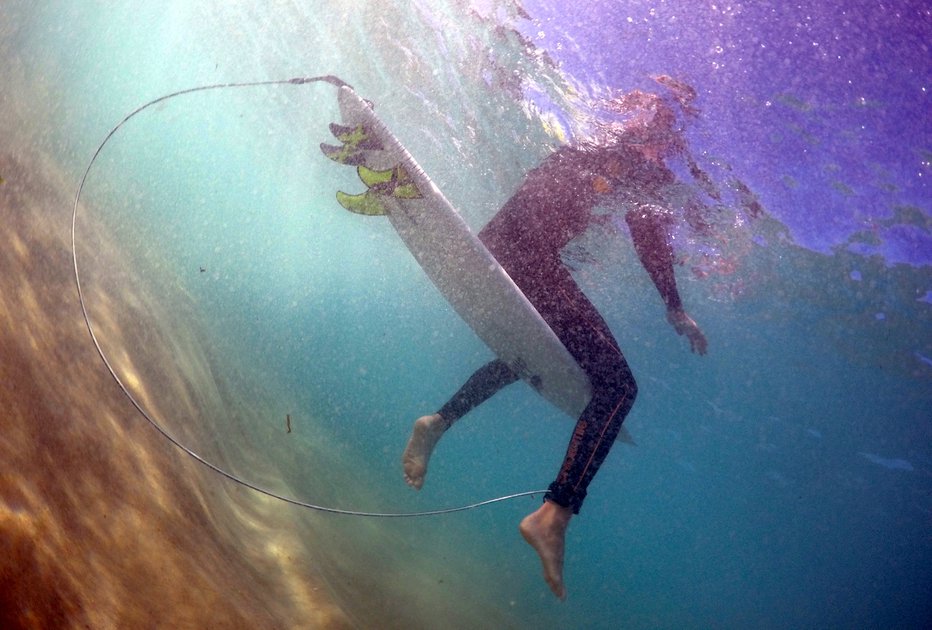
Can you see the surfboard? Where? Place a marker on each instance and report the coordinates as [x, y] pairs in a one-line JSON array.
[[464, 271]]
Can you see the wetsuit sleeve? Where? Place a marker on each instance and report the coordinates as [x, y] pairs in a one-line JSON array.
[[650, 242]]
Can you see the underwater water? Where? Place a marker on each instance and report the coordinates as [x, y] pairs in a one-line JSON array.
[[783, 480]]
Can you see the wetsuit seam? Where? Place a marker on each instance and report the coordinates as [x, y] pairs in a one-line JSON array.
[[606, 425]]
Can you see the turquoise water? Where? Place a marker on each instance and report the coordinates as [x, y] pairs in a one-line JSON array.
[[781, 481]]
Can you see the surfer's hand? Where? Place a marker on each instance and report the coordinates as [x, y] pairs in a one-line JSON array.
[[684, 325]]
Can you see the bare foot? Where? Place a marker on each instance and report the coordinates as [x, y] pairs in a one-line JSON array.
[[427, 431], [545, 530]]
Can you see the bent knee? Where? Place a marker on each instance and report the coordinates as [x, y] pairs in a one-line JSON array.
[[619, 384], [628, 391], [631, 389]]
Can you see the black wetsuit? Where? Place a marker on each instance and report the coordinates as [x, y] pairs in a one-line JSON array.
[[551, 208]]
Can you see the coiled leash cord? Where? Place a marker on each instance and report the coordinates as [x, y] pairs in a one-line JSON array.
[[90, 329]]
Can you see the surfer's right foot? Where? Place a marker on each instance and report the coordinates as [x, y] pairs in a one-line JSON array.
[[545, 530], [424, 437]]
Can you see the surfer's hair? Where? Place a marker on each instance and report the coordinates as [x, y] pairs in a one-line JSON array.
[[639, 117]]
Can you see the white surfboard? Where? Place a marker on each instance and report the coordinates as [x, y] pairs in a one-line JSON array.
[[467, 274]]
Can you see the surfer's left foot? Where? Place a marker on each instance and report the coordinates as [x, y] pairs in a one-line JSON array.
[[427, 431]]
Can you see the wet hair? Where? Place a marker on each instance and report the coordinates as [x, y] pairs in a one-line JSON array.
[[639, 117]]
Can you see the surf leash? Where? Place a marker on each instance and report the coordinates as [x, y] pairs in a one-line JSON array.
[[337, 82]]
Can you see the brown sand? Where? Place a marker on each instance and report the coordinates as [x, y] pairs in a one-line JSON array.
[[105, 524], [102, 522]]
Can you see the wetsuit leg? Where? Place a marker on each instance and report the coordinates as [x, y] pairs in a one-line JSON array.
[[580, 327], [481, 386]]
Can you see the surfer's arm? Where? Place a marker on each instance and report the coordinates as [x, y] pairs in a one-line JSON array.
[[650, 242], [648, 231]]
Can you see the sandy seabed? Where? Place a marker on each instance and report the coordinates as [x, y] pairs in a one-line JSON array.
[[105, 524]]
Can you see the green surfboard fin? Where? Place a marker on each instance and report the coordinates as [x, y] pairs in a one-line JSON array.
[[393, 181], [356, 137], [356, 141], [343, 154], [366, 203], [373, 178]]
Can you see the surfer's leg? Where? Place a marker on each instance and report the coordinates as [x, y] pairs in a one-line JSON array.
[[428, 429], [586, 335], [580, 327], [482, 385]]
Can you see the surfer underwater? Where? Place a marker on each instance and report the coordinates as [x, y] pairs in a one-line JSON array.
[[623, 165]]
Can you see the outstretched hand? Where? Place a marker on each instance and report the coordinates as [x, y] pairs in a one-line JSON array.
[[684, 325]]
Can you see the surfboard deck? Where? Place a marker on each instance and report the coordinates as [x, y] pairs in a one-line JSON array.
[[456, 261]]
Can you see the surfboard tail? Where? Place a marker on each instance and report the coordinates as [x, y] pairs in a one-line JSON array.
[[356, 136], [356, 143], [361, 148]]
